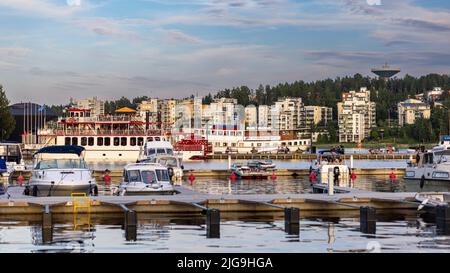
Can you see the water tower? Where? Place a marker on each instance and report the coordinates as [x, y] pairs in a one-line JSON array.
[[386, 71]]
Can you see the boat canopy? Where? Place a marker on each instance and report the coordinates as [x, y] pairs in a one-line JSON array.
[[337, 151], [69, 149]]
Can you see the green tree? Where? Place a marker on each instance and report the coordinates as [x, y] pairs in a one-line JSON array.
[[7, 121]]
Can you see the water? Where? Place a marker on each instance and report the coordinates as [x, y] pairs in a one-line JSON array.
[[288, 185], [239, 233]]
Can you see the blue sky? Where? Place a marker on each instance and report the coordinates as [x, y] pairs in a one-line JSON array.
[[51, 50]]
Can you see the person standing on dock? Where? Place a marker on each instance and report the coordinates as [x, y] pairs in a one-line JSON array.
[[353, 176], [20, 180]]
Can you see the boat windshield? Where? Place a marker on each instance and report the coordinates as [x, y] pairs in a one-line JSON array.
[[443, 156], [163, 175], [169, 162], [10, 153], [148, 177], [61, 164]]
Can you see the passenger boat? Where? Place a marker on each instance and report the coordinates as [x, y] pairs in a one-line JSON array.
[[431, 164], [117, 137], [145, 179], [250, 171], [330, 166], [11, 159], [61, 170], [193, 148]]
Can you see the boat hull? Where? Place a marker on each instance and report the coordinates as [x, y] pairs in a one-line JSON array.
[[61, 190]]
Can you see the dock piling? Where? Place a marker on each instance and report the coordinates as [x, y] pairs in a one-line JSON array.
[[368, 221], [130, 223], [292, 221], [443, 219], [213, 223], [47, 225]]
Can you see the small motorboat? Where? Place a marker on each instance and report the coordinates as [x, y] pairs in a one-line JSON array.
[[173, 163], [60, 171], [11, 160], [250, 171], [145, 179], [330, 167], [262, 164]]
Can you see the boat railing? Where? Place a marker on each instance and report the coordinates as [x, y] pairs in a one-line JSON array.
[[100, 132]]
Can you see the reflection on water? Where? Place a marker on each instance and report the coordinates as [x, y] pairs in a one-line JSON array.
[[288, 185], [239, 233], [281, 164]]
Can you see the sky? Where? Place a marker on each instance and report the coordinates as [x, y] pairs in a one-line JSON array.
[[54, 50]]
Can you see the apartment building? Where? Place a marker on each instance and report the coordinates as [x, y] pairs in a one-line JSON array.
[[291, 114], [412, 109], [96, 106], [317, 114]]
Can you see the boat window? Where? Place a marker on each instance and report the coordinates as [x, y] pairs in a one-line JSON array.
[[100, 141], [61, 164], [157, 139], [107, 141], [150, 139], [169, 162], [140, 141], [161, 151], [151, 151], [91, 141], [84, 141], [169, 151], [123, 141], [75, 141], [163, 175], [134, 176], [148, 177], [67, 141], [125, 176], [133, 141], [116, 141]]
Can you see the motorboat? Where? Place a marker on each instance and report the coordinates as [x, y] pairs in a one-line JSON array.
[[11, 159], [251, 170], [173, 163], [430, 200], [329, 167], [61, 171], [433, 164], [151, 149], [266, 164], [145, 179]]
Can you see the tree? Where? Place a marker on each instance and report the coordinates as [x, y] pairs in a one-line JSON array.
[[7, 121]]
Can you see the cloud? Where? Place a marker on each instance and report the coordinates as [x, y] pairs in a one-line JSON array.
[[179, 36], [38, 8], [16, 52]]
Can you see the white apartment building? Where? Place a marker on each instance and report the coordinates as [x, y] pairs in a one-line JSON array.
[[291, 114], [356, 115], [411, 109], [316, 114], [251, 116], [96, 106]]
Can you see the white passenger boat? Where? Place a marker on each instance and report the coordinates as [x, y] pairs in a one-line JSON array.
[[330, 168], [431, 164], [61, 170], [145, 179], [11, 159]]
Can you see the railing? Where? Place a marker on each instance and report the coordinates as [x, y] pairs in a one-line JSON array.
[[94, 132]]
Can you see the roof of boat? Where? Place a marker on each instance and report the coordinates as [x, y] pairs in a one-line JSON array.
[[66, 149], [145, 166], [158, 144]]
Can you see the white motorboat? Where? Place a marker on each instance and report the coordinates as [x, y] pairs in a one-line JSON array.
[[431, 164], [145, 179], [11, 159], [152, 149], [61, 170], [173, 163], [329, 167]]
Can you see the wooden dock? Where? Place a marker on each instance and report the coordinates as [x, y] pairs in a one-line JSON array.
[[301, 156]]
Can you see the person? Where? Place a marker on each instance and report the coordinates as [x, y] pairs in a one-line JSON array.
[[312, 178], [337, 173]]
